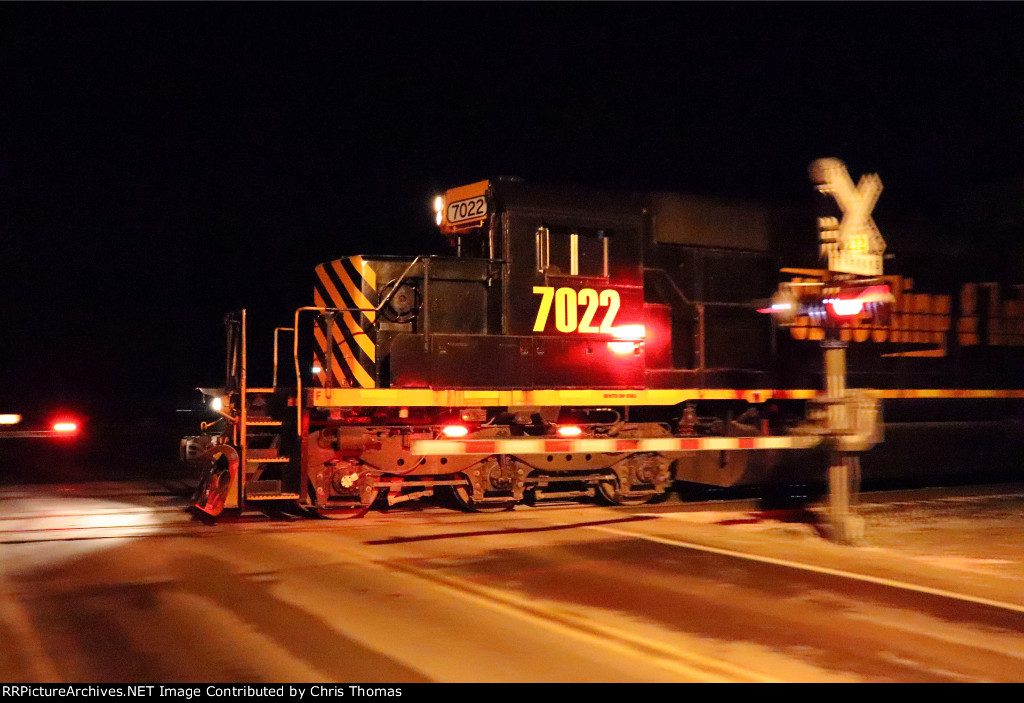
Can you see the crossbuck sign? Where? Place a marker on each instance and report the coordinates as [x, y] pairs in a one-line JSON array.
[[853, 245]]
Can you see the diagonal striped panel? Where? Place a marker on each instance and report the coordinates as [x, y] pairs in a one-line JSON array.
[[355, 367], [364, 276], [369, 278], [326, 295], [338, 371], [343, 293], [345, 363], [349, 285]]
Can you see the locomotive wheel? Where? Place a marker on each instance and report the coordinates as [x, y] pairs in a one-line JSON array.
[[338, 511], [609, 493], [465, 502]]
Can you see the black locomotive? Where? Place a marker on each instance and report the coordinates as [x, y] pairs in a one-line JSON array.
[[582, 344]]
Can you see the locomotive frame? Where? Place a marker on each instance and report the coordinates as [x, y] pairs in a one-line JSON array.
[[550, 358]]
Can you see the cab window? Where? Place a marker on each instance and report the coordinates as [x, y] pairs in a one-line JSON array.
[[572, 251]]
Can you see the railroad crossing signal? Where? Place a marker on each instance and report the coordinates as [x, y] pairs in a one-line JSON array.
[[853, 245], [831, 305], [854, 248]]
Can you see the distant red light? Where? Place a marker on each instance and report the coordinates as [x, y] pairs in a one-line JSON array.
[[454, 431], [65, 427]]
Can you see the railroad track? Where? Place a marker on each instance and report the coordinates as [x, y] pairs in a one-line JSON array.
[[390, 541], [58, 520]]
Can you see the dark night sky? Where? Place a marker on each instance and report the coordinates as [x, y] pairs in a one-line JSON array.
[[161, 164]]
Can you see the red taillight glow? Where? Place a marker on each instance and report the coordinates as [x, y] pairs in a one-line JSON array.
[[846, 308], [65, 427], [851, 307], [629, 337], [631, 332], [622, 347], [454, 431], [570, 431]]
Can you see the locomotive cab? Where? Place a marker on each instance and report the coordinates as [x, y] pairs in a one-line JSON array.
[[545, 292]]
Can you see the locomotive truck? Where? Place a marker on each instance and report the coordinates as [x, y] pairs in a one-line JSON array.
[[582, 345]]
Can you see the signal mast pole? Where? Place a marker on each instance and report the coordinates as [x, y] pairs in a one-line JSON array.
[[851, 288], [846, 527], [853, 248]]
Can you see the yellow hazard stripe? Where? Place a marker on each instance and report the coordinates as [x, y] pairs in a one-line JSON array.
[[358, 373], [948, 393], [357, 294], [369, 275], [364, 342], [362, 377], [337, 372], [426, 397]]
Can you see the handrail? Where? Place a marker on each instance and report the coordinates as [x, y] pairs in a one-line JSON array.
[[273, 381], [675, 288], [243, 415], [682, 296]]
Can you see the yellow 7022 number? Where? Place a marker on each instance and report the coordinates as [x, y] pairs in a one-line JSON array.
[[567, 303]]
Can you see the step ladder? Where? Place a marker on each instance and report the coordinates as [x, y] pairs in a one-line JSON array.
[[264, 445], [264, 431]]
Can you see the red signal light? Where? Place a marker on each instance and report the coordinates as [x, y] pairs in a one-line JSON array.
[[851, 303], [65, 427], [846, 302], [845, 308]]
